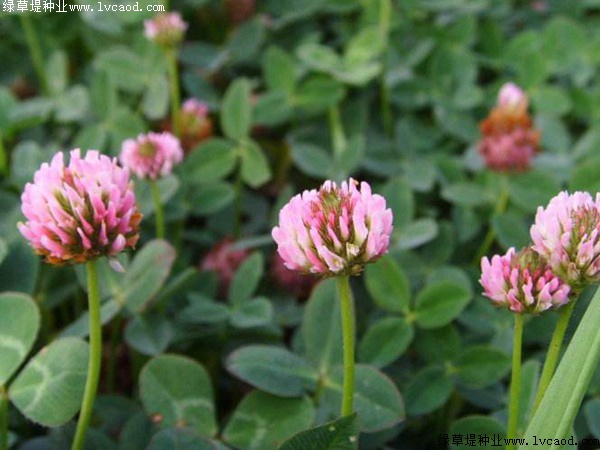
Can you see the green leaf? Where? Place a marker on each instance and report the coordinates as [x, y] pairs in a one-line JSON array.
[[512, 230], [376, 398], [180, 439], [155, 101], [50, 388], [236, 111], [211, 198], [273, 369], [466, 194], [252, 313], [438, 345], [531, 189], [388, 285], [19, 325], [178, 391], [440, 303], [147, 274], [81, 328], [125, 66], [556, 413], [585, 176], [398, 195], [477, 425], [551, 100], [279, 70], [57, 65], [19, 271], [312, 160], [322, 327], [481, 366], [211, 161], [592, 415], [203, 310], [318, 93], [273, 109], [385, 341], [428, 390], [416, 233], [246, 279], [136, 433], [255, 166], [149, 334], [319, 57], [247, 40], [103, 95], [339, 434], [262, 421]]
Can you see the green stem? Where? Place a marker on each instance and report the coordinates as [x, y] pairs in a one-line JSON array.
[[553, 352], [338, 138], [158, 210], [3, 419], [93, 374], [174, 85], [515, 381], [347, 310], [35, 51], [490, 236]]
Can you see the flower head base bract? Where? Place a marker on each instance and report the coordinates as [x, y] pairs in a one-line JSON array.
[[509, 140], [335, 230], [151, 155], [523, 282], [567, 233], [166, 29], [80, 211]]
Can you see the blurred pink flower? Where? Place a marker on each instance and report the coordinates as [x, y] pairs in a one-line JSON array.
[[566, 232], [522, 282], [512, 96], [333, 231], [512, 150], [82, 211], [165, 29], [509, 140], [224, 260], [196, 125], [151, 155]]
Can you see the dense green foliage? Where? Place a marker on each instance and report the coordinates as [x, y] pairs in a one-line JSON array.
[[300, 91]]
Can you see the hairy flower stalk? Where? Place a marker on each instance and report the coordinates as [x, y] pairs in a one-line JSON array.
[[335, 231], [77, 213], [522, 282], [509, 140], [152, 156]]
